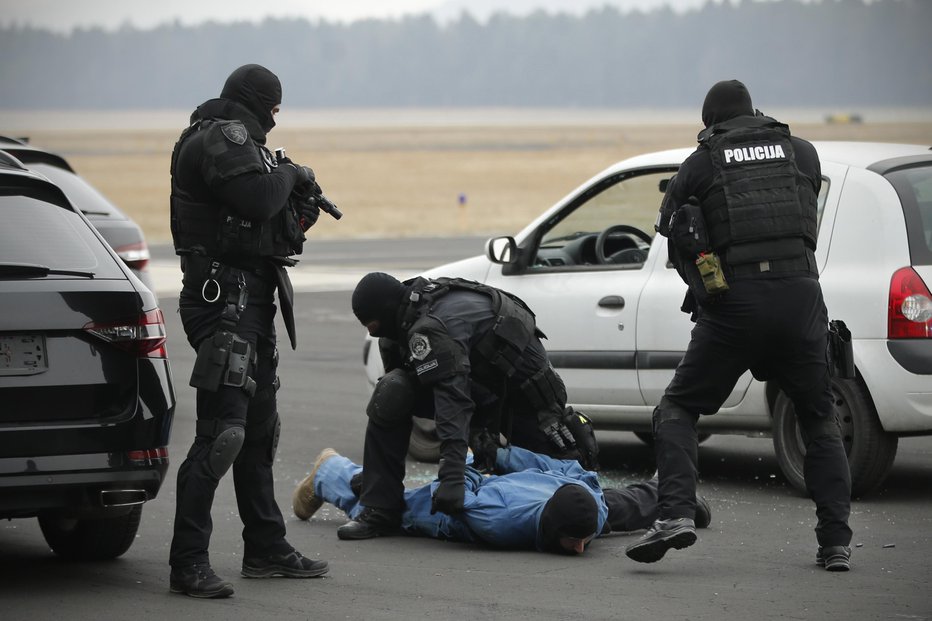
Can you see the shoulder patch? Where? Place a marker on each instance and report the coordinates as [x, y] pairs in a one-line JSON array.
[[419, 346], [235, 132]]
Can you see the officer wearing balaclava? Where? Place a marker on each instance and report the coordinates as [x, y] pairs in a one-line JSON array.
[[742, 219], [238, 215]]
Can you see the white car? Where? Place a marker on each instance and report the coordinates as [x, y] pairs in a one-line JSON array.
[[609, 302]]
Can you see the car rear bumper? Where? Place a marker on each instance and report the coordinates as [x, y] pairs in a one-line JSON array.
[[901, 394], [82, 484]]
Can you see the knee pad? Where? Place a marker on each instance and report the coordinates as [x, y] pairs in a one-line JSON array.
[[393, 399], [224, 449]]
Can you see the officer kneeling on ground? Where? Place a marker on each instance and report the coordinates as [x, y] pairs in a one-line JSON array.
[[470, 357], [237, 216]]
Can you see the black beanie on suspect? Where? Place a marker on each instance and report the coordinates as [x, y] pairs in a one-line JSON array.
[[570, 512], [378, 297], [726, 100]]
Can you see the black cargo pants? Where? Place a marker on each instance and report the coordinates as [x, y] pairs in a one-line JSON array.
[[263, 525], [777, 328]]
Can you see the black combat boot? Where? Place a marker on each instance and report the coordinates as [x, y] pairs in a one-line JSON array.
[[371, 523], [199, 581]]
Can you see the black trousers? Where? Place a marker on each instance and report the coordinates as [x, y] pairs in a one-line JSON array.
[[777, 328], [263, 525], [633, 507]]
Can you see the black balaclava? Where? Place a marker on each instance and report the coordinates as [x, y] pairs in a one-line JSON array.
[[726, 100], [570, 512], [258, 89], [379, 296]]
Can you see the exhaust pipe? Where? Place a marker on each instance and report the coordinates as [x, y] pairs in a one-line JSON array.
[[123, 497]]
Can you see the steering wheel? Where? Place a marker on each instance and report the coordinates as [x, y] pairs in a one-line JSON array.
[[617, 228]]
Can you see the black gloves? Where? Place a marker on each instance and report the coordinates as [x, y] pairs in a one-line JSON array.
[[556, 431], [484, 450], [581, 427], [448, 498], [308, 212]]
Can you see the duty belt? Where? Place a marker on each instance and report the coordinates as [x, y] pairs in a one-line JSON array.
[[771, 266]]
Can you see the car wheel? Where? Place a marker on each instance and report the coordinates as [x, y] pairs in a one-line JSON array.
[[424, 445], [648, 438], [90, 539], [870, 449]]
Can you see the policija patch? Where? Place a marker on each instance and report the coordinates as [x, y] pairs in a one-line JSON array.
[[419, 346], [235, 132]]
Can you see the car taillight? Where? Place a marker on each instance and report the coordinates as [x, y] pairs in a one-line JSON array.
[[144, 336], [136, 256], [909, 314], [148, 457]]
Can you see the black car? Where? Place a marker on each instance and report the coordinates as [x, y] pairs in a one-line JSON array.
[[119, 230], [86, 396]]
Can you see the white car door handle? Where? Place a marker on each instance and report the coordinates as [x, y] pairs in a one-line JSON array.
[[612, 301]]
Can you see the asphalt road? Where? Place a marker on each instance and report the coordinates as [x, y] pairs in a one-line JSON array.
[[756, 561]]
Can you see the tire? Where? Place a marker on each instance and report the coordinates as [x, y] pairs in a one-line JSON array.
[[870, 449], [90, 539], [424, 445]]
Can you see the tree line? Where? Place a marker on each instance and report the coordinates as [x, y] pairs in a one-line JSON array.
[[790, 53]]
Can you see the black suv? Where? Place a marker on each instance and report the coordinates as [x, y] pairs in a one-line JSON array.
[[86, 396]]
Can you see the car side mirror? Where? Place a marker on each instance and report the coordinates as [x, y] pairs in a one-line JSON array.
[[502, 250]]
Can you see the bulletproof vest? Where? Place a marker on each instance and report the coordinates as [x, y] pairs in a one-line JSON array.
[[506, 340], [207, 226], [765, 219]]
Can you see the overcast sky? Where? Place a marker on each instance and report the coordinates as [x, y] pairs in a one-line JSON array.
[[65, 15]]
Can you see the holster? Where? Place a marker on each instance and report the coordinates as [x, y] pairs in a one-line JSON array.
[[841, 351]]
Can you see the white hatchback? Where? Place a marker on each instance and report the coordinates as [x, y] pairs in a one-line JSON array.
[[607, 298]]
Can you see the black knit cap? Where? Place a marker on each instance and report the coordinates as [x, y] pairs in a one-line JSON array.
[[378, 296], [258, 89], [570, 512], [726, 100]]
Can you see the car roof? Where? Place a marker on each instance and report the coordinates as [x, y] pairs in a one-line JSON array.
[[856, 154]]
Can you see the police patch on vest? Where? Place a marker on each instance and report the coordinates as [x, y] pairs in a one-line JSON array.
[[235, 132], [419, 346], [427, 366], [754, 153]]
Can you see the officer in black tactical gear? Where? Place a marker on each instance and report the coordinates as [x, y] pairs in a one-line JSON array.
[[469, 356], [741, 217], [237, 216]]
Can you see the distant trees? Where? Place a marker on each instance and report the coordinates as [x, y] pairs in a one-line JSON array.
[[790, 53]]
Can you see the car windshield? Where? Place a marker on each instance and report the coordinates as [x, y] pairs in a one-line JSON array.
[[80, 193], [914, 187], [36, 233]]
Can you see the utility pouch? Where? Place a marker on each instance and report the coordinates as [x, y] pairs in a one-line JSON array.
[[710, 268], [840, 349], [211, 361]]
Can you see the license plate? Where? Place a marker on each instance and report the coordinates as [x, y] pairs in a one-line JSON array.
[[23, 354]]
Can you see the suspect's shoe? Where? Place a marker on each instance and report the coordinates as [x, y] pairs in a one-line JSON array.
[[290, 565], [199, 581], [663, 535], [703, 512], [371, 523], [834, 558], [304, 502]]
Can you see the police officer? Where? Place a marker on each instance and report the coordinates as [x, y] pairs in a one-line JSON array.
[[237, 215], [742, 221], [463, 354]]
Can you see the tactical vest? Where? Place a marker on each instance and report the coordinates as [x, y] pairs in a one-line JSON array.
[[764, 222], [503, 344], [211, 228]]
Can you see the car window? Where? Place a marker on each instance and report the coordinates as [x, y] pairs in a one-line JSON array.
[[40, 233], [79, 192], [914, 187], [610, 225]]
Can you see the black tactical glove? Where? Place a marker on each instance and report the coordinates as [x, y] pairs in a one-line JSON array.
[[308, 213], [581, 427], [484, 450], [556, 431], [448, 497]]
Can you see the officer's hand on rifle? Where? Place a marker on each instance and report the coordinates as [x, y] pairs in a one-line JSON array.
[[308, 212]]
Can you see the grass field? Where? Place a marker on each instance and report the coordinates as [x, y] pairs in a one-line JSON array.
[[408, 181]]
